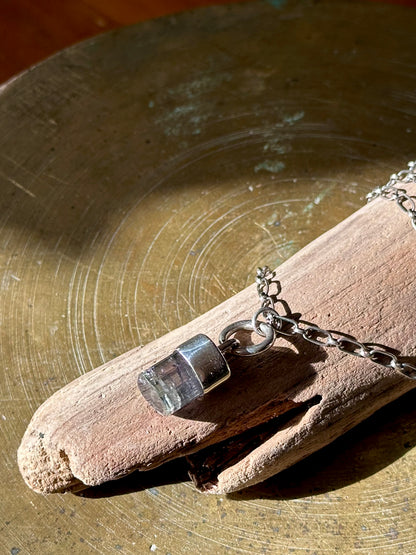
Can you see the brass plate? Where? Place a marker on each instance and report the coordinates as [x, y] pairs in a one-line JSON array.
[[144, 175]]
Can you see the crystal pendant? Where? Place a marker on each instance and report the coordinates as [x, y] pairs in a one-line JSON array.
[[194, 368]]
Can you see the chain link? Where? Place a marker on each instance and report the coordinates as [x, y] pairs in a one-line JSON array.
[[269, 288], [390, 191], [291, 326]]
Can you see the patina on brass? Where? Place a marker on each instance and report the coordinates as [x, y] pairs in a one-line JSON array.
[[144, 175]]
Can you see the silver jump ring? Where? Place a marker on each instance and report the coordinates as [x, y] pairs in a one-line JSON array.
[[247, 325], [256, 323]]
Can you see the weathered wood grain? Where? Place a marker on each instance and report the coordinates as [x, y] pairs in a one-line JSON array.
[[358, 278]]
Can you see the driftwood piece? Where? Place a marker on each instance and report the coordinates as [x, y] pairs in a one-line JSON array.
[[277, 408]]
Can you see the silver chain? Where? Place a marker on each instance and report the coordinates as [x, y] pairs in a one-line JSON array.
[[291, 326], [390, 191], [275, 324]]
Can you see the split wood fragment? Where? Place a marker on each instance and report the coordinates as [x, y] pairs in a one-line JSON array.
[[277, 408]]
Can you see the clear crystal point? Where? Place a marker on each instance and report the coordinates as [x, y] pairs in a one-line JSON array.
[[170, 384], [194, 368]]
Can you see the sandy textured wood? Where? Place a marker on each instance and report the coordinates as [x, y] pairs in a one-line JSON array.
[[356, 278]]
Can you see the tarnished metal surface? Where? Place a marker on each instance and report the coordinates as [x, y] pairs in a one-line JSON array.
[[144, 176]]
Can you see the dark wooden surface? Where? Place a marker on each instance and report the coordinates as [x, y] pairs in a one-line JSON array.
[[31, 31]]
